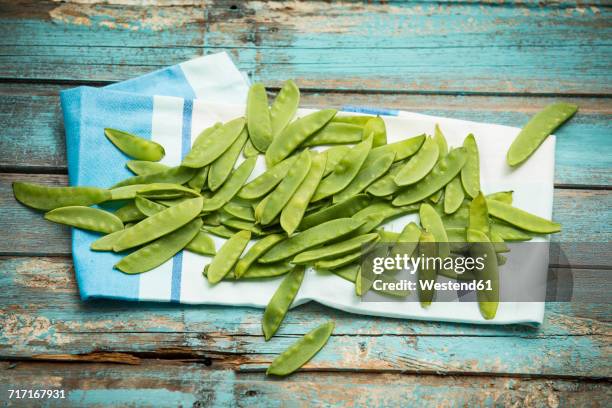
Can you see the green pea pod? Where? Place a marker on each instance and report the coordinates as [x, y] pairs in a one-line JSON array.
[[334, 155], [207, 150], [309, 238], [503, 196], [135, 146], [375, 128], [153, 191], [371, 170], [347, 272], [227, 256], [481, 247], [264, 183], [359, 120], [537, 130], [431, 222], [160, 250], [277, 200], [479, 215], [335, 250], [159, 224], [284, 107], [300, 352], [259, 122], [255, 252], [277, 308], [231, 187], [202, 244], [453, 195], [239, 211], [419, 165], [249, 150], [220, 231], [148, 207], [385, 186], [470, 173], [92, 219], [522, 219], [295, 134], [407, 241], [345, 171], [257, 271], [293, 212], [198, 181], [402, 149], [341, 261], [443, 149], [427, 272], [143, 167], [48, 198], [335, 133], [443, 172], [176, 175], [347, 208], [106, 242], [221, 168], [508, 232], [129, 213]]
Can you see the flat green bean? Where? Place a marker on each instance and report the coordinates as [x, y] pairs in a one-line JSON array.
[[259, 122], [135, 146], [48, 198], [92, 219], [231, 187], [227, 256], [279, 304]]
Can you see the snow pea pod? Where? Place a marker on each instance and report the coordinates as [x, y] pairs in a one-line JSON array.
[[160, 250], [348, 272], [453, 195], [343, 209], [279, 304], [427, 273], [159, 224], [220, 231], [376, 129], [142, 167], [443, 172], [239, 211], [479, 215], [129, 213], [198, 181], [372, 169], [503, 196], [284, 107], [300, 352], [407, 241], [208, 149], [148, 207], [237, 224], [259, 122], [258, 271], [295, 133], [338, 249], [359, 120], [249, 150], [522, 219], [281, 195], [135, 146], [470, 173], [345, 171], [309, 238], [537, 130], [343, 260], [481, 247], [334, 155], [293, 212], [48, 198], [508, 232], [106, 242], [431, 222], [419, 165], [255, 252], [154, 191], [385, 186], [233, 184], [335, 133], [92, 219], [227, 256], [402, 149], [202, 243], [176, 175], [221, 168], [264, 183], [443, 151]]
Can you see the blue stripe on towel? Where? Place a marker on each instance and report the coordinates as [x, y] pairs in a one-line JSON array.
[[371, 111]]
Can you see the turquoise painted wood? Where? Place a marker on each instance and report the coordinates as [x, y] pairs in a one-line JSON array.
[[479, 61]]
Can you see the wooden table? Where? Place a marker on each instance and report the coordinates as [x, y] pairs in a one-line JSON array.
[[484, 61]]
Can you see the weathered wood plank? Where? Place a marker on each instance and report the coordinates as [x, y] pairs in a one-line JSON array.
[[33, 137], [411, 47], [35, 236], [187, 384], [33, 326]]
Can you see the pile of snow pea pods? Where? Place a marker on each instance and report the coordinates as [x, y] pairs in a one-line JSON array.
[[331, 182]]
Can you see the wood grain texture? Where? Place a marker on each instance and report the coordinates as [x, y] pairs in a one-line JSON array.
[[155, 383], [33, 136], [400, 47]]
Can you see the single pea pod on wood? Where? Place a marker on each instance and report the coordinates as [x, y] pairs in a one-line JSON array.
[[47, 198], [419, 165], [143, 167], [92, 219], [159, 224], [300, 352], [481, 247], [284, 107], [160, 250], [522, 219], [206, 150], [135, 146], [295, 134], [470, 173], [443, 172], [277, 308], [259, 122], [227, 256], [537, 130]]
